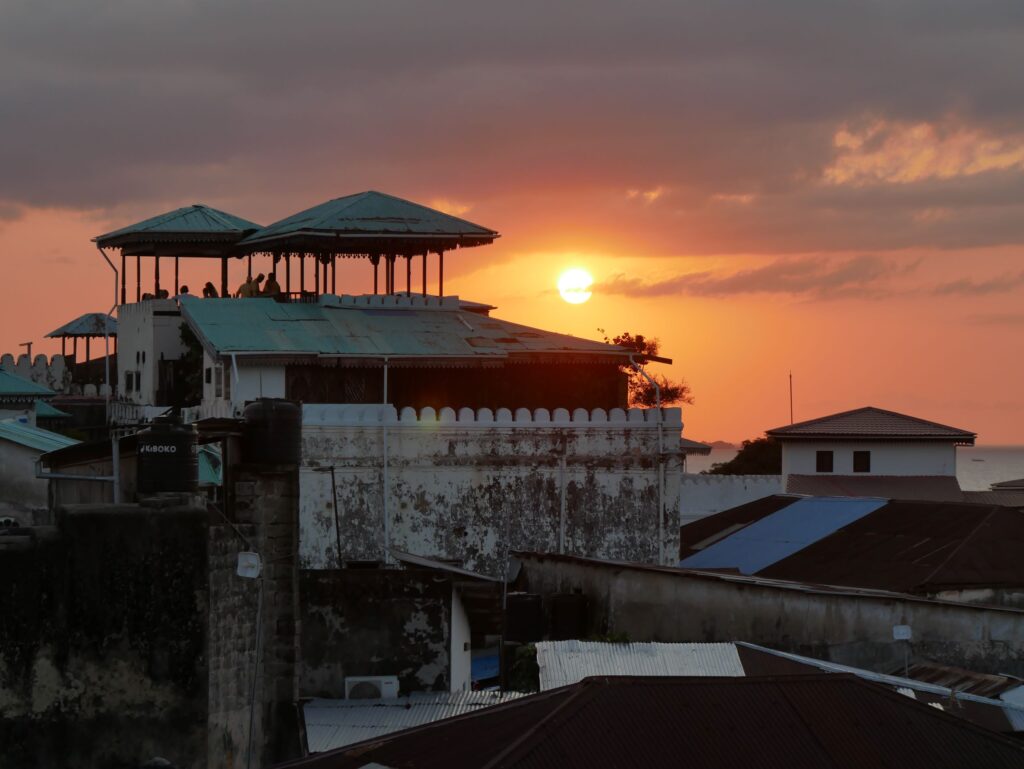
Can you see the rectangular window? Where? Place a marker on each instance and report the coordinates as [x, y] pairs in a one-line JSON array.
[[227, 383], [209, 375], [823, 461], [218, 389], [862, 461], [127, 381]]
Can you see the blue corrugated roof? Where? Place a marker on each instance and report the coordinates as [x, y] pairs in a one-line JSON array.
[[197, 219], [34, 437], [371, 327], [370, 213], [782, 533], [44, 409], [11, 384], [90, 324]]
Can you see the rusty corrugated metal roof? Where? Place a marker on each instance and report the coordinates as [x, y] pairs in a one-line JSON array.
[[825, 721], [872, 423]]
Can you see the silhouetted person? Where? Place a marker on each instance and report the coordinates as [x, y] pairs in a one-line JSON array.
[[209, 292], [271, 287], [183, 291], [163, 293], [256, 284], [246, 289]]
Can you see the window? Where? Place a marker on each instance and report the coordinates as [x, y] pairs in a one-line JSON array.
[[218, 379], [227, 382], [209, 375], [862, 461], [127, 381], [823, 461]]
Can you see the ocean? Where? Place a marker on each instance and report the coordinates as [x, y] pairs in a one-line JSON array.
[[976, 468]]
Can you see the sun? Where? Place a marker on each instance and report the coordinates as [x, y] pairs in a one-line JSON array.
[[574, 285]]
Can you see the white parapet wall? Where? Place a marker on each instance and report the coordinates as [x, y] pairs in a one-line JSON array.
[[49, 372], [474, 485], [704, 495]]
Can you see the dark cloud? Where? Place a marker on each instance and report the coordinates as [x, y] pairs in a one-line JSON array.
[[862, 276], [536, 113], [1000, 284]]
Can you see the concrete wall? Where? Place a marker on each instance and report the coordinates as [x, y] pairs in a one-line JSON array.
[[147, 332], [102, 632], [473, 484], [461, 654], [374, 622], [887, 457], [254, 682], [703, 495], [246, 383], [853, 628], [18, 482]]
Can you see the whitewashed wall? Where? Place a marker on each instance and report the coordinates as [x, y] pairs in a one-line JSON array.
[[143, 338], [245, 383], [473, 485], [53, 372], [461, 674], [704, 495], [887, 457]]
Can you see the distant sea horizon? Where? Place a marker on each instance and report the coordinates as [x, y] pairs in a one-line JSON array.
[[977, 468]]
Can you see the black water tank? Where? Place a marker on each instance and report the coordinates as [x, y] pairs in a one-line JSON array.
[[272, 432], [168, 459], [524, 618]]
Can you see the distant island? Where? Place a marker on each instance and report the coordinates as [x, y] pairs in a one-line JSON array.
[[720, 445]]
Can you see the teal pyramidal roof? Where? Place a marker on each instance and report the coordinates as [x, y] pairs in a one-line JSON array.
[[11, 384], [195, 222], [369, 215], [90, 324], [34, 437]]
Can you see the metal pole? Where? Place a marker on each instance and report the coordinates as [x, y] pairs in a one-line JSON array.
[[106, 340], [122, 278], [386, 484], [337, 519], [138, 278], [791, 397]]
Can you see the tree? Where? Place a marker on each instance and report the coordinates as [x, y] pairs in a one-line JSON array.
[[761, 456], [641, 391]]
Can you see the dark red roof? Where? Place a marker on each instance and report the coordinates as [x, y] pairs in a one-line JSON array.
[[827, 721], [873, 423], [970, 681], [935, 488]]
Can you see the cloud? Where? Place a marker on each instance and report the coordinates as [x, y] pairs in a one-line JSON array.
[[998, 318], [861, 276], [999, 284], [452, 207]]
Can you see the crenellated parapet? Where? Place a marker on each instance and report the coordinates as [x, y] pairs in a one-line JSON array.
[[54, 372], [336, 414]]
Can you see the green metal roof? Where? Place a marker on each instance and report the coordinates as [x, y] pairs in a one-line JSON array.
[[369, 222], [11, 384], [195, 223], [374, 326], [34, 437], [44, 409], [209, 465], [90, 324]]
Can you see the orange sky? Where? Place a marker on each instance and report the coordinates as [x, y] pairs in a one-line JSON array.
[[835, 189]]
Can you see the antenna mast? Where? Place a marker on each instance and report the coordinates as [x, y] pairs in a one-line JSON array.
[[791, 396]]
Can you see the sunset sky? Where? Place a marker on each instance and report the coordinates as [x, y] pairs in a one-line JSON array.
[[832, 188]]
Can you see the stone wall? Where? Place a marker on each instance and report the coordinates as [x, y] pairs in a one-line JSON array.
[[852, 627], [102, 634], [243, 611], [471, 485], [374, 622]]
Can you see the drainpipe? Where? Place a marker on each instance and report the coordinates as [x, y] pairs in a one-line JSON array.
[[561, 501], [386, 484], [115, 455], [661, 460]]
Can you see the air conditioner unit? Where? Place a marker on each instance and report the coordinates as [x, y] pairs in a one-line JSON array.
[[371, 687]]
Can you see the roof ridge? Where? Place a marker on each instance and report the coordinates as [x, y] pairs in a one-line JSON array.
[[863, 410]]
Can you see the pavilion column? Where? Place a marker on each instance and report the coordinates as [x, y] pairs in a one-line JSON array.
[[302, 273], [334, 274], [316, 274], [123, 277], [87, 340], [74, 349], [138, 278], [440, 273], [408, 274], [375, 261], [224, 277], [425, 272], [156, 283], [64, 343], [288, 273], [249, 269], [177, 285]]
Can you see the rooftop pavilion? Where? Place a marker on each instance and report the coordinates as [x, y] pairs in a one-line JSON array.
[[369, 225]]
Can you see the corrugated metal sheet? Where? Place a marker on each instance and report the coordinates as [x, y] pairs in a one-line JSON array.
[[11, 384], [871, 422], [819, 721], [334, 724], [196, 219], [90, 324], [568, 662], [34, 437], [368, 213], [45, 410], [370, 327], [781, 534]]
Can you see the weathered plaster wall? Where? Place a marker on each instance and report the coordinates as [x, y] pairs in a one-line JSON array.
[[18, 482], [147, 332], [853, 628], [704, 495], [461, 654], [472, 485], [374, 622], [102, 633], [53, 372], [242, 610]]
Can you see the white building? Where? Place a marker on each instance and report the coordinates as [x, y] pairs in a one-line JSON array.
[[871, 452]]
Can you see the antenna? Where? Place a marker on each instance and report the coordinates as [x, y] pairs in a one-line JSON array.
[[791, 396], [27, 345]]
